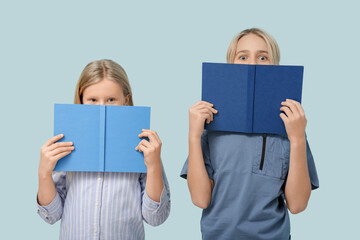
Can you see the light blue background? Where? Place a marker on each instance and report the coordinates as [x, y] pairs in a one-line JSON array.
[[161, 44]]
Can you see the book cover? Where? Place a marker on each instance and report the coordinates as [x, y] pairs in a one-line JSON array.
[[248, 97], [104, 137]]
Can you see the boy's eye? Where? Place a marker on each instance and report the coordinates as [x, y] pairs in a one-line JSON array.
[[263, 58], [111, 99], [242, 57]]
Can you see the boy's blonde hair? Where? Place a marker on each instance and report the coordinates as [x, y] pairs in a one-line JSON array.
[[272, 45], [98, 70]]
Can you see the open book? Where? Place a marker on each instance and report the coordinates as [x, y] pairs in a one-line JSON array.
[[248, 97], [104, 137]]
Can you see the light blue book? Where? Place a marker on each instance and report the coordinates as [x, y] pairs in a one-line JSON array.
[[104, 137]]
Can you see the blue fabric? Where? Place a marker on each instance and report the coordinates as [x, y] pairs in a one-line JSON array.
[[247, 202], [103, 205]]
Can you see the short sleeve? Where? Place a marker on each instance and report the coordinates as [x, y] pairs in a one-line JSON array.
[[206, 156], [312, 168]]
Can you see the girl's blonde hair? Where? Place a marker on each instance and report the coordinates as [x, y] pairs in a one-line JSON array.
[[272, 45], [98, 70]]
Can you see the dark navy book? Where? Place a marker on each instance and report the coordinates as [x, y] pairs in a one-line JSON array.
[[248, 97], [104, 137]]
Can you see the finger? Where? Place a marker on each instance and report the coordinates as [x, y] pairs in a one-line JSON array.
[[291, 106], [204, 103], [149, 134], [61, 149], [145, 143], [137, 147], [207, 115], [207, 119], [210, 108], [210, 118], [61, 155], [60, 144], [287, 111], [298, 106], [283, 117], [154, 136], [54, 139], [200, 103], [206, 111], [294, 106], [213, 110], [141, 148], [157, 138]]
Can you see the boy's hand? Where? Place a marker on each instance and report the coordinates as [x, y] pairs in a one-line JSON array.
[[151, 149], [51, 152], [200, 112], [294, 120]]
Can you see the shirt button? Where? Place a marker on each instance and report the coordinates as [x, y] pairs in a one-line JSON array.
[[95, 230], [99, 179], [96, 204]]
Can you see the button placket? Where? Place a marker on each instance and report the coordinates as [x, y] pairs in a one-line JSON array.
[[99, 189]]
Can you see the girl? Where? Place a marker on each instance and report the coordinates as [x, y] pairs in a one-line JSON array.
[[240, 200], [103, 205]]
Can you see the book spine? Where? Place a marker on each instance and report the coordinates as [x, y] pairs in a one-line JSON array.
[[301, 82], [102, 139], [251, 96]]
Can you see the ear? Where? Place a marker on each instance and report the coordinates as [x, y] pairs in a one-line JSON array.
[[127, 99]]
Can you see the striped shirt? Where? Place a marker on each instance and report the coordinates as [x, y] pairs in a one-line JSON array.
[[104, 205]]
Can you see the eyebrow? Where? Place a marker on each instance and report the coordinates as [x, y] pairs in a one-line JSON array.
[[246, 51]]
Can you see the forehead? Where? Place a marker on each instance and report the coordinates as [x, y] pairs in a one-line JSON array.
[[251, 42], [104, 87]]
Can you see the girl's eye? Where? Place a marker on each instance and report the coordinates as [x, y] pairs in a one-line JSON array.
[[243, 58], [263, 58], [92, 100]]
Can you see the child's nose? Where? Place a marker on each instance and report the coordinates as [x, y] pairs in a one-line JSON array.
[[252, 61]]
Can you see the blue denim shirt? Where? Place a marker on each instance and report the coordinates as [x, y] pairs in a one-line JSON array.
[[249, 172]]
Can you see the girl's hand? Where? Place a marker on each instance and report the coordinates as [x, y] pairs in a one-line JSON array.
[[294, 120], [200, 112], [151, 149], [51, 152]]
